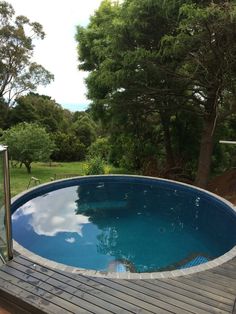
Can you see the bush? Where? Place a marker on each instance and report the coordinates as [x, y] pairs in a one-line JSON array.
[[100, 148], [95, 166]]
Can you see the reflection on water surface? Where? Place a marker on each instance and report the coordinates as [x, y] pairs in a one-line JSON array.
[[124, 227]]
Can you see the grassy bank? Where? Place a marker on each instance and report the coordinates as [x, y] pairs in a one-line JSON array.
[[45, 172]]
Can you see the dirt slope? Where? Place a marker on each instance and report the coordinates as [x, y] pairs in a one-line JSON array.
[[225, 185]]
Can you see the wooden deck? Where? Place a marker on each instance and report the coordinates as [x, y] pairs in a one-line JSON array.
[[26, 287]]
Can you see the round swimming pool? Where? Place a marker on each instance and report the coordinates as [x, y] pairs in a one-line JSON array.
[[123, 224]]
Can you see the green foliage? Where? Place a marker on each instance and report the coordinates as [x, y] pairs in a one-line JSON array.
[[27, 143], [3, 114], [72, 133], [205, 47], [100, 148], [17, 72], [85, 129], [73, 144], [68, 147], [166, 80], [40, 109], [126, 83], [95, 166]]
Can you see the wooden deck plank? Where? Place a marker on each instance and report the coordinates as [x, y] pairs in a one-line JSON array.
[[31, 265], [17, 305], [229, 266], [128, 298], [227, 284], [108, 300], [81, 301], [208, 284], [131, 303], [234, 309], [96, 304], [102, 295], [194, 293], [175, 298], [221, 277], [141, 293], [31, 288], [225, 272], [232, 261], [193, 286], [82, 288], [96, 290], [136, 296], [42, 276], [58, 292], [56, 287], [10, 287], [9, 307]]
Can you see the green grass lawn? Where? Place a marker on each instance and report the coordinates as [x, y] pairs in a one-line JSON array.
[[44, 172]]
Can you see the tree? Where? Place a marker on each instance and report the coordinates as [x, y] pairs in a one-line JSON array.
[[167, 57], [205, 46], [85, 129], [28, 142], [40, 109], [68, 147], [17, 72], [128, 81], [3, 114]]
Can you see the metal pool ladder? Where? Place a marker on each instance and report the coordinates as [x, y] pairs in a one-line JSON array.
[[6, 249]]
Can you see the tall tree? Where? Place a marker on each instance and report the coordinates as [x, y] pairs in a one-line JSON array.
[[166, 56], [125, 69], [40, 109], [17, 71], [206, 49]]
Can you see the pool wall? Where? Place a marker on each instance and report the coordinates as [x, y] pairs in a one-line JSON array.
[[222, 204]]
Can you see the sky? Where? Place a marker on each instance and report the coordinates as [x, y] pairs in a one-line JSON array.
[[57, 51]]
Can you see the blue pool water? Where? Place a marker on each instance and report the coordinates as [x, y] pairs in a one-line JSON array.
[[116, 223]]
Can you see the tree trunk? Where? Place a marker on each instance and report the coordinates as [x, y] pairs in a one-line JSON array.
[[206, 149], [165, 120], [28, 166]]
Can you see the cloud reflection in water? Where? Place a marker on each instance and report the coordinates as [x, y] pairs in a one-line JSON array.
[[54, 213]]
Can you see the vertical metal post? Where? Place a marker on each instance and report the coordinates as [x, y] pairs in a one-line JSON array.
[[7, 204]]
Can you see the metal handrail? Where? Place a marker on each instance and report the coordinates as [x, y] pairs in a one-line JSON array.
[[7, 197], [227, 142], [2, 148]]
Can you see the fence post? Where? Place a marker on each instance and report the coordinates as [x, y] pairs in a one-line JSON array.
[[7, 198]]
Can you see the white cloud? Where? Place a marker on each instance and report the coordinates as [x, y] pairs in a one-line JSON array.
[[70, 240], [57, 52], [54, 213]]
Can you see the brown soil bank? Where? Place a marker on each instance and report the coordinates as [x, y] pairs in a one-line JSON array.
[[225, 185]]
